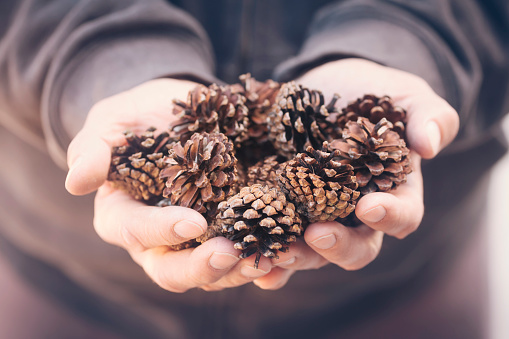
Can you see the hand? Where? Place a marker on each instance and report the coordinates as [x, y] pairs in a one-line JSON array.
[[432, 125], [146, 231]]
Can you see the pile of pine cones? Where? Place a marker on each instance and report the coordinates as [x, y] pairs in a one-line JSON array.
[[262, 160]]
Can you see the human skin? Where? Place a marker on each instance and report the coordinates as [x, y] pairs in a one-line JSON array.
[[146, 231], [432, 125]]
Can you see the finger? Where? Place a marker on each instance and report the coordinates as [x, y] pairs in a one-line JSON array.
[[89, 153], [432, 122], [179, 271], [299, 257], [277, 278], [351, 248], [88, 159], [125, 222], [243, 273], [399, 212]]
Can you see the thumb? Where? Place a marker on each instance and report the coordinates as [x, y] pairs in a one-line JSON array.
[[88, 158], [432, 123]]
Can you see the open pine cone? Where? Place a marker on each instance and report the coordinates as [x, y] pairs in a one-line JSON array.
[[322, 189], [374, 108], [135, 167], [260, 96], [260, 220], [299, 119], [377, 153], [212, 109], [200, 173]]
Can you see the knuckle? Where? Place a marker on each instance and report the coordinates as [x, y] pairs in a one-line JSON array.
[[175, 289], [199, 277], [160, 277], [453, 121], [409, 229], [353, 266], [413, 224], [401, 235], [137, 257], [155, 217], [370, 253], [320, 262], [280, 283], [100, 229], [409, 222], [273, 286], [212, 288]]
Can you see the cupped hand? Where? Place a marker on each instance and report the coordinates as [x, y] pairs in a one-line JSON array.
[[432, 125], [147, 231]]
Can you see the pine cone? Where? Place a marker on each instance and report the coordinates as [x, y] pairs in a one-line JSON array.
[[201, 173], [377, 153], [299, 120], [374, 108], [260, 96], [322, 189], [135, 167], [213, 109], [260, 220], [264, 172]]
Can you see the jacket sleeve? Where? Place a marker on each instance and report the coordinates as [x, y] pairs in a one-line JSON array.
[[57, 58], [458, 47]]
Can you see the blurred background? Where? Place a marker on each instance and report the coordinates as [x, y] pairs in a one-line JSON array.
[[498, 223]]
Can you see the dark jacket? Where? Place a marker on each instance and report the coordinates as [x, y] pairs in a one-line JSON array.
[[59, 57]]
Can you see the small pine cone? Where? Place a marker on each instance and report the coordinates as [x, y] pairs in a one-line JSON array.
[[260, 96], [135, 167], [322, 189], [377, 153], [201, 173], [212, 109], [374, 108], [260, 220], [299, 119], [265, 172]]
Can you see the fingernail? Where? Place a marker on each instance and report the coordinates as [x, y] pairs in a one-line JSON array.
[[434, 136], [375, 214], [325, 242], [222, 261], [286, 262], [188, 229], [251, 272]]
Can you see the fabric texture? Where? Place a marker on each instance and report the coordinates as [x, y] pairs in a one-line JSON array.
[[58, 58]]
